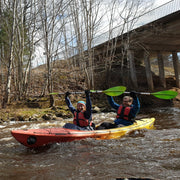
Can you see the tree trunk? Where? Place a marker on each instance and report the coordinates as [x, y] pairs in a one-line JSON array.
[[9, 75], [161, 70], [148, 71], [130, 56], [176, 68]]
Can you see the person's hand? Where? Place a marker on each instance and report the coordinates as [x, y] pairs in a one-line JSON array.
[[67, 93], [87, 92], [133, 94]]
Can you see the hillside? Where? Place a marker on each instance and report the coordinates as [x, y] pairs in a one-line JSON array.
[[68, 78]]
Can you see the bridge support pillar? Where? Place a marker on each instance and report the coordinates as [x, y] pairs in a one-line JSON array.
[[176, 68], [161, 69], [148, 71], [130, 56]]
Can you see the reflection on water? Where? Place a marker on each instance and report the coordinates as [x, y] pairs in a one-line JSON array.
[[147, 153]]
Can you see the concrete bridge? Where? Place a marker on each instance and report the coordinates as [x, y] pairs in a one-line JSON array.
[[153, 39]]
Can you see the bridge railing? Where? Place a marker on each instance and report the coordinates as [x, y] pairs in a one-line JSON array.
[[157, 13]]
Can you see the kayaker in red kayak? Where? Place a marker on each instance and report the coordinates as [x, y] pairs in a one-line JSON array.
[[126, 112], [82, 115]]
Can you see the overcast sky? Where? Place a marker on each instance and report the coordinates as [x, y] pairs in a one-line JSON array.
[[160, 2]]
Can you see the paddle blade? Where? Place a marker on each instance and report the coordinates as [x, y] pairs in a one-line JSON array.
[[165, 94], [115, 91]]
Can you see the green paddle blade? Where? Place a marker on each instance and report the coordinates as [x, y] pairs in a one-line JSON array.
[[165, 94], [115, 91]]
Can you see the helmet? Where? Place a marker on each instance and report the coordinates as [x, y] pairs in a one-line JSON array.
[[81, 102]]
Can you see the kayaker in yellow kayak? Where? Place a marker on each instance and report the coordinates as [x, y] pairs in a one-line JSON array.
[[126, 112], [82, 115]]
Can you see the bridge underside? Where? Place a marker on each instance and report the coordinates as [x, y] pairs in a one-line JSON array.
[[153, 40]]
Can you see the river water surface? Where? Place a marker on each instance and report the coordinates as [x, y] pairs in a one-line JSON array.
[[153, 154]]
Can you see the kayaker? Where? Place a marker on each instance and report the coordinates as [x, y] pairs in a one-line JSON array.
[[82, 115], [126, 112]]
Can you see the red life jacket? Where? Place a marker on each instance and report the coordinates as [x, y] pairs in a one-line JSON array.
[[80, 120], [123, 113]]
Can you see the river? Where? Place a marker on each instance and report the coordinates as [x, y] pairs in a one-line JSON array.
[[153, 154]]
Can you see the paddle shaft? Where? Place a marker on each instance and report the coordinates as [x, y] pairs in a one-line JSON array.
[[142, 93], [100, 91], [82, 92], [71, 93], [114, 91], [167, 94]]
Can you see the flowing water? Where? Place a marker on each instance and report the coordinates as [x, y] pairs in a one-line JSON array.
[[153, 154]]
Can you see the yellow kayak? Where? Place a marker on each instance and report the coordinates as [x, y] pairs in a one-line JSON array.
[[145, 123]]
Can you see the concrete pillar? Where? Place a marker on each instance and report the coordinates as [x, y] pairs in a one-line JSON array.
[[130, 56], [148, 71], [176, 68], [161, 69]]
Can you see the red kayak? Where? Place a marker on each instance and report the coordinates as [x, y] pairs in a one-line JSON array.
[[40, 137]]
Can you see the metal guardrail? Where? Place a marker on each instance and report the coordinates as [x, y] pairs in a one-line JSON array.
[[157, 13]]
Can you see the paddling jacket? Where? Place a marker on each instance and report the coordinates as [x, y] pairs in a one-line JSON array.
[[81, 119], [129, 114], [123, 113]]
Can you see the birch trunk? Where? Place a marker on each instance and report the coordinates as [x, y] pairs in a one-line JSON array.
[[9, 74]]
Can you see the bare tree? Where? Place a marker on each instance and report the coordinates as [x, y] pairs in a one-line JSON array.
[[9, 75], [32, 30], [20, 47], [50, 11], [122, 16], [84, 17], [19, 21], [87, 18], [90, 17]]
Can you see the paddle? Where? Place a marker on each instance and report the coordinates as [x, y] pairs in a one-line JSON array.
[[167, 94], [118, 90], [114, 91]]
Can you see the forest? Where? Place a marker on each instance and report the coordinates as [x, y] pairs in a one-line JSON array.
[[61, 34]]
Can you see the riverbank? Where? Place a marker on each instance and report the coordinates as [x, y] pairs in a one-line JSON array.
[[37, 109]]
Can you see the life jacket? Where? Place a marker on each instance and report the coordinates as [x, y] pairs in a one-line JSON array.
[[80, 120], [123, 113]]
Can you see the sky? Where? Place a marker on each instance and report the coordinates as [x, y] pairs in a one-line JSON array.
[[160, 2], [39, 52]]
